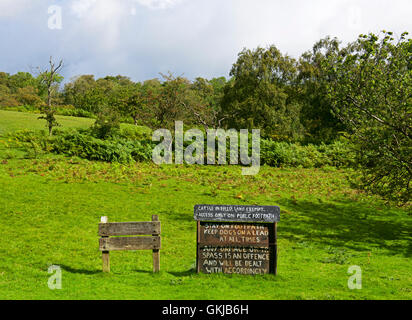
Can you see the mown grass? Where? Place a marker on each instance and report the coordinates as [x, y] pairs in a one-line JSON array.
[[50, 208]]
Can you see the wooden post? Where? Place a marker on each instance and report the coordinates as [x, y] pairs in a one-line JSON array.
[[197, 246], [105, 254], [156, 252], [275, 249]]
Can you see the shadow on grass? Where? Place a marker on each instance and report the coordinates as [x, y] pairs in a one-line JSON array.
[[187, 273], [347, 224], [80, 271], [143, 271]]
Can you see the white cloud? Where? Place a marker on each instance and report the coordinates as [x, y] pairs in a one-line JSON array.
[[197, 37], [99, 20], [10, 8], [81, 7], [158, 4]]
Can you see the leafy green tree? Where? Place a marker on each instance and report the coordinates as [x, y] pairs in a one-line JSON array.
[[259, 95], [4, 79], [76, 91], [134, 105], [203, 102], [28, 96], [120, 80], [21, 80], [19, 89], [131, 101], [150, 91], [371, 91], [94, 99], [321, 125], [7, 99], [171, 100], [107, 122]]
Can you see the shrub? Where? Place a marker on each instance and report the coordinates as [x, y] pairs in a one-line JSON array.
[[91, 148], [71, 111], [135, 144], [283, 154], [22, 108], [134, 133], [107, 123], [31, 142]]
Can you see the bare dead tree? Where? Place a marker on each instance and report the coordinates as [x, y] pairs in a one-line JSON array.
[[48, 78]]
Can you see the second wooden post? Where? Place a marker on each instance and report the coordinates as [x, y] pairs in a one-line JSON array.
[[156, 252], [105, 254]]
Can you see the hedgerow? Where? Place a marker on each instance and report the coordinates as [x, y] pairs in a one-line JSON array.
[[130, 145]]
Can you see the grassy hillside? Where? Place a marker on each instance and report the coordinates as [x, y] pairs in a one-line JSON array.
[[50, 209], [13, 120]]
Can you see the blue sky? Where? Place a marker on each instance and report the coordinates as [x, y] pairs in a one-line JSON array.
[[140, 38]]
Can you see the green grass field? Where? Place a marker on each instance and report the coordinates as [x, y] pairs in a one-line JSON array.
[[50, 209], [12, 120]]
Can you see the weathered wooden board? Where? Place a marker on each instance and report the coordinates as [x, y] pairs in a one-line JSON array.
[[237, 213], [240, 260], [235, 234], [129, 243], [129, 228]]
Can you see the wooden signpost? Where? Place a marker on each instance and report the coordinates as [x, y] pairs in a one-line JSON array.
[[236, 239], [143, 242]]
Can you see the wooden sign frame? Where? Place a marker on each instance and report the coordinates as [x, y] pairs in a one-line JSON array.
[[143, 242], [236, 220]]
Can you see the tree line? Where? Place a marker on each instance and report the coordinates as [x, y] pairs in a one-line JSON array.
[[284, 97], [362, 90]]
